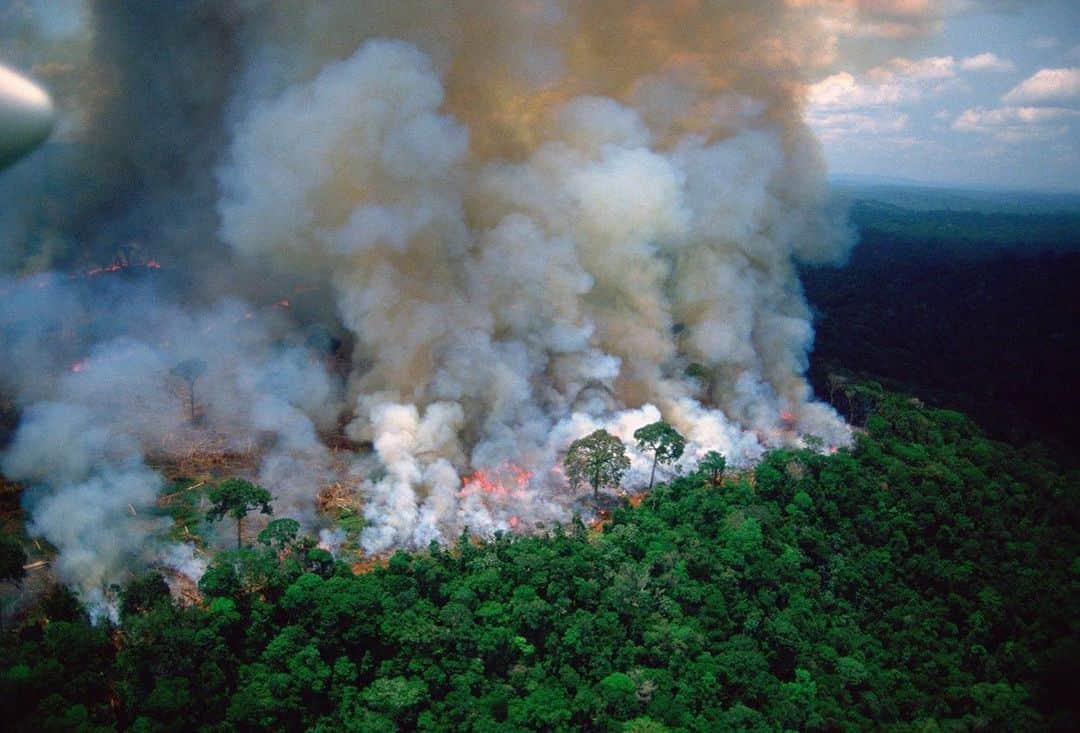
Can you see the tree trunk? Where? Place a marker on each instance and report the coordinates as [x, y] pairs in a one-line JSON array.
[[239, 523], [191, 401], [652, 475]]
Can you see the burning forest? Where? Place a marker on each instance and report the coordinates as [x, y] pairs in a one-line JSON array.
[[394, 257]]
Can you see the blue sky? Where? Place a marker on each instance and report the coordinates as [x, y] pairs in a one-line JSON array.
[[981, 94]]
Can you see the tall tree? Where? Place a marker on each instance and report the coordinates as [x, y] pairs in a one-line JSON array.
[[190, 370], [236, 497], [664, 441], [599, 458], [715, 464]]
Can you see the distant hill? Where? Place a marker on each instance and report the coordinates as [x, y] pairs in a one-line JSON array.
[[917, 196], [916, 222], [968, 309]]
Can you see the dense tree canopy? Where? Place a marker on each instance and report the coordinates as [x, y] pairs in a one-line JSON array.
[[12, 559], [923, 581], [938, 304]]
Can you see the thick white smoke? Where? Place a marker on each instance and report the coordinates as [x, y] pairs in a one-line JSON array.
[[122, 405], [529, 220], [498, 297]]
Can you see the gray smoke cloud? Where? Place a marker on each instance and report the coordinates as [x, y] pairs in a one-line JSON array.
[[121, 407], [526, 219]]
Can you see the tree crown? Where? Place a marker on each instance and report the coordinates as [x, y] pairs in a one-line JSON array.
[[662, 439], [236, 497], [280, 533], [599, 458], [713, 462], [189, 369]]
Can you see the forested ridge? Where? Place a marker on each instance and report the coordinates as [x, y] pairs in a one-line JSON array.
[[924, 580], [962, 312]]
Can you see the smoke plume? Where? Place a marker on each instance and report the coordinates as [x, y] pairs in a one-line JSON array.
[[521, 220]]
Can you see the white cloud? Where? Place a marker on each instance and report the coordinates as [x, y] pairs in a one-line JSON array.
[[844, 107], [840, 125], [1042, 107], [987, 62], [844, 91], [1017, 124], [899, 80], [1046, 87], [980, 116], [890, 19], [930, 68]]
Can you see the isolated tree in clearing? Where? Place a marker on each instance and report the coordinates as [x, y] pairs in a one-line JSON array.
[[664, 441], [190, 370], [599, 458], [236, 497]]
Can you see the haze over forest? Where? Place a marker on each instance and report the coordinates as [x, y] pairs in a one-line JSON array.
[[623, 365]]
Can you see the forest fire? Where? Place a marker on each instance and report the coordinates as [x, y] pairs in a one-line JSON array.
[[500, 305], [494, 482], [461, 324], [120, 264]]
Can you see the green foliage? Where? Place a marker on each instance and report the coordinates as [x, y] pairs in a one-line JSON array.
[[143, 594], [320, 562], [924, 580], [713, 464], [599, 459], [12, 559], [926, 305], [181, 500], [237, 497], [280, 534], [664, 441]]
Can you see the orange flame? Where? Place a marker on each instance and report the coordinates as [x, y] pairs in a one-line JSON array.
[[120, 264], [494, 482]]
